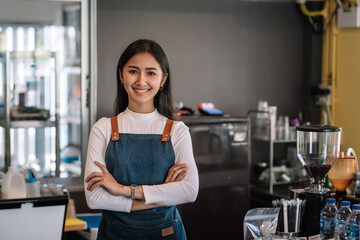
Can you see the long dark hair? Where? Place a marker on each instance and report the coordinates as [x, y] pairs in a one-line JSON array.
[[163, 100]]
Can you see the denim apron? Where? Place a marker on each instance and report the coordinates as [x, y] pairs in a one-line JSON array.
[[142, 159]]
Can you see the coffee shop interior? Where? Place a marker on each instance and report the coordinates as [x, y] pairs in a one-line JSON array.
[[277, 71]]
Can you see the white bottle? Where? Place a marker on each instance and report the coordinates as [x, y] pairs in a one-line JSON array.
[[32, 187], [13, 184]]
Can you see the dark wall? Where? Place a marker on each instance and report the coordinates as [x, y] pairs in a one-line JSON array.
[[231, 53]]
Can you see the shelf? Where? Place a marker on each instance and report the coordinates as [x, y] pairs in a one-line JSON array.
[[29, 123], [284, 141], [276, 140], [70, 119], [239, 144], [266, 183], [72, 70], [31, 54]]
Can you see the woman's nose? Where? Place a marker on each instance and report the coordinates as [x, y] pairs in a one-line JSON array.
[[141, 79]]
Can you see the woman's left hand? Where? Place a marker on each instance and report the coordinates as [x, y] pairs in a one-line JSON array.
[[176, 173], [103, 179]]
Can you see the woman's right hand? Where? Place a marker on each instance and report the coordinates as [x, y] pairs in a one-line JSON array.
[[176, 173], [105, 180]]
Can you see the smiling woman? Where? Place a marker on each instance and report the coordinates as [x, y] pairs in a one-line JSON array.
[[142, 78], [141, 159]]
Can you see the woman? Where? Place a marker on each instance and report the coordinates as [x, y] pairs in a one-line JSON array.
[[140, 163]]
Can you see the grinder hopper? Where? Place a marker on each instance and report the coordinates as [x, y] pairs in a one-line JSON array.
[[318, 148]]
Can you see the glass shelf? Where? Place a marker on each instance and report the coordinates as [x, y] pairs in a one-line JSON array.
[[70, 119]]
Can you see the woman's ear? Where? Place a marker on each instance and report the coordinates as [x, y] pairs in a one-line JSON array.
[[121, 77], [164, 80]]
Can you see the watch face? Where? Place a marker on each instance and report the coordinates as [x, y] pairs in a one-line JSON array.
[[133, 186]]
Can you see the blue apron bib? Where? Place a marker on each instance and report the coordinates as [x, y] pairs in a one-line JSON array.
[[142, 159]]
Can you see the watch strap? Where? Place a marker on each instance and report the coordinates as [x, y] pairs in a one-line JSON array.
[[133, 189]]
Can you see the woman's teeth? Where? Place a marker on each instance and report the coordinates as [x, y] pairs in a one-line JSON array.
[[141, 91]]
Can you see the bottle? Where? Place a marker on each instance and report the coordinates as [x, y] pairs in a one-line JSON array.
[[13, 184], [327, 217], [354, 223], [32, 188], [261, 121], [341, 227]]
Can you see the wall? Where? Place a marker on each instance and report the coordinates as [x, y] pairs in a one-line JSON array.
[[231, 53], [347, 113]]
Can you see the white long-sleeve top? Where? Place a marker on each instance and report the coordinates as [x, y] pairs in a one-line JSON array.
[[168, 194]]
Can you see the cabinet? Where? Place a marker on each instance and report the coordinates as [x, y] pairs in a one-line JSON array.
[[274, 163], [30, 122]]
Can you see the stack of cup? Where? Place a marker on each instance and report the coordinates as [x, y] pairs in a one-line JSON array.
[[289, 216]]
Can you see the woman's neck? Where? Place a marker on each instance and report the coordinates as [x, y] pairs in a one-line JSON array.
[[141, 109]]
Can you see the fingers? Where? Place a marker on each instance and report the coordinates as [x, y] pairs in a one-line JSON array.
[[94, 186], [179, 169], [94, 182], [101, 166], [94, 174], [172, 169], [180, 176], [176, 173], [170, 174]]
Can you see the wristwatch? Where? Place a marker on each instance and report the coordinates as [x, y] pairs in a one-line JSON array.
[[133, 189]]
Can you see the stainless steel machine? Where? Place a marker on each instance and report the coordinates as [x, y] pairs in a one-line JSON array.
[[222, 154]]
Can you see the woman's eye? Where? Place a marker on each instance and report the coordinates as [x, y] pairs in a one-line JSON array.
[[132, 71], [151, 73]]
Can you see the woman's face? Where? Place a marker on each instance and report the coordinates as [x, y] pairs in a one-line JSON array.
[[142, 77]]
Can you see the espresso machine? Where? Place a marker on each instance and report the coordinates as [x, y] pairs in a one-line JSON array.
[[318, 147]]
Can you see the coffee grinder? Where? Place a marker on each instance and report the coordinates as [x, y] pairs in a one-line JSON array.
[[317, 149]]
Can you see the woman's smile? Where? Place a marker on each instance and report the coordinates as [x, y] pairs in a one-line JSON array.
[[141, 91], [142, 78]]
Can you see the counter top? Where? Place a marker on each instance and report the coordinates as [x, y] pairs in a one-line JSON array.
[[200, 119]]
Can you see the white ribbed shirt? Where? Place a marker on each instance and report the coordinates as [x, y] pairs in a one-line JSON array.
[[138, 123]]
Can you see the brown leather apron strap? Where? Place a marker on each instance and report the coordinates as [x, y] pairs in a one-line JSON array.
[[114, 129], [167, 130]]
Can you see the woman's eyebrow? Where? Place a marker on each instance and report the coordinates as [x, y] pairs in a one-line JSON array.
[[133, 67], [149, 68]]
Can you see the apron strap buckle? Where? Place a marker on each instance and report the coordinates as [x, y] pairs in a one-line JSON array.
[[167, 130], [114, 129]]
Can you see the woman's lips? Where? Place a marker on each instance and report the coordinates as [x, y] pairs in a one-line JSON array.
[[141, 90]]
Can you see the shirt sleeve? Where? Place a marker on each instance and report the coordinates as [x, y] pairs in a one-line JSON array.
[[100, 198], [186, 190]]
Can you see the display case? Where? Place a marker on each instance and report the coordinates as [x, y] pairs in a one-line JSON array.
[[31, 120], [48, 45]]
